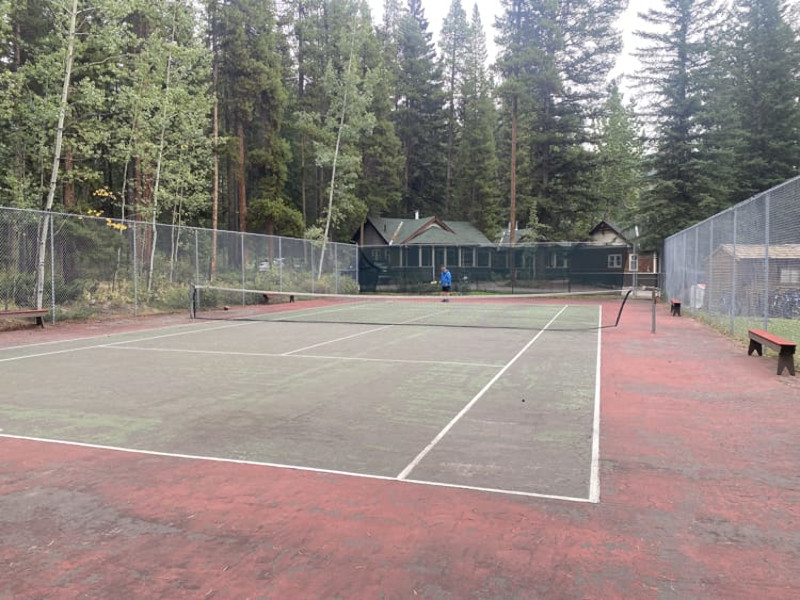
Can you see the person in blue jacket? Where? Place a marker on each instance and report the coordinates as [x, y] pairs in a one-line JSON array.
[[446, 280]]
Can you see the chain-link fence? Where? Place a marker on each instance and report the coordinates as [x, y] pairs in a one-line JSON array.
[[95, 266], [540, 267], [740, 269]]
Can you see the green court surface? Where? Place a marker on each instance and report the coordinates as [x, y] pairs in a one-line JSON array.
[[508, 409]]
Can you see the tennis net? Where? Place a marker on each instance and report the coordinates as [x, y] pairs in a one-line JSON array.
[[514, 311]]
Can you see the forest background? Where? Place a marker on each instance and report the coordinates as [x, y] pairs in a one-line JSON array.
[[288, 117]]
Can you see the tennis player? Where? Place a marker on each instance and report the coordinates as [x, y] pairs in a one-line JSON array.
[[446, 280]]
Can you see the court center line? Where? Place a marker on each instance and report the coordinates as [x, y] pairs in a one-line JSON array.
[[594, 477], [318, 356], [410, 467], [112, 344], [237, 461], [360, 333]]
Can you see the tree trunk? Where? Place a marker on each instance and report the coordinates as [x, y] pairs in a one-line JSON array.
[[69, 186], [513, 215], [159, 160], [241, 178], [512, 225], [303, 178], [62, 113], [215, 184]]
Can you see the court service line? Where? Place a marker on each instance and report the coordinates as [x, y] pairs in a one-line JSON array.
[[237, 461], [353, 335], [318, 356], [594, 477], [410, 467], [112, 344]]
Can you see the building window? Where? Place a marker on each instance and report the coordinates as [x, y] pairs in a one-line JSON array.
[[557, 260], [615, 261], [633, 263], [467, 257], [426, 256], [451, 255], [790, 276], [484, 257]]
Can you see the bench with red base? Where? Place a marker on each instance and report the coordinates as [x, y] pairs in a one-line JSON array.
[[35, 313], [784, 348]]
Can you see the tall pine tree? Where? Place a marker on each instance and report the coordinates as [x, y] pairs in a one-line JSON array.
[[555, 56], [419, 118], [682, 179], [476, 164], [454, 47], [766, 77]]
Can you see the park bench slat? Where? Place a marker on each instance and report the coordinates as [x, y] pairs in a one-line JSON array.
[[36, 313], [784, 348]]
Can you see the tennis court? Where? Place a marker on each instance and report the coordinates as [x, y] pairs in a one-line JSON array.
[[504, 398], [306, 450]]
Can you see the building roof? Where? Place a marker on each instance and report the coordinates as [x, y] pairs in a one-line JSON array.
[[520, 236], [626, 234], [427, 230], [756, 251]]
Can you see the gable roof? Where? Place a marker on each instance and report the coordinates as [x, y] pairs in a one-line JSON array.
[[427, 230]]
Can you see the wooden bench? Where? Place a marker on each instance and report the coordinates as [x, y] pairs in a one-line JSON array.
[[675, 307], [35, 313], [785, 348]]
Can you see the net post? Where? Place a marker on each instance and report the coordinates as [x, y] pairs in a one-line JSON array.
[[621, 306], [653, 324], [192, 301]]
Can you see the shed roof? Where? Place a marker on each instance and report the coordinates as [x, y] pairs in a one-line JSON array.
[[756, 251]]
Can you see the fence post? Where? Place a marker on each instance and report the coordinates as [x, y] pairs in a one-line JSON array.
[[766, 261], [242, 261], [135, 270], [696, 268], [682, 292], [710, 283], [197, 256], [732, 308], [311, 244], [336, 265], [52, 275], [280, 264]]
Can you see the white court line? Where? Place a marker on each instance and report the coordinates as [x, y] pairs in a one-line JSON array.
[[318, 356], [96, 337], [594, 479], [111, 344], [360, 333], [404, 473], [291, 468]]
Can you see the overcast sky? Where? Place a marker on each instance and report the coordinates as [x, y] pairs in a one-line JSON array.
[[436, 10]]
